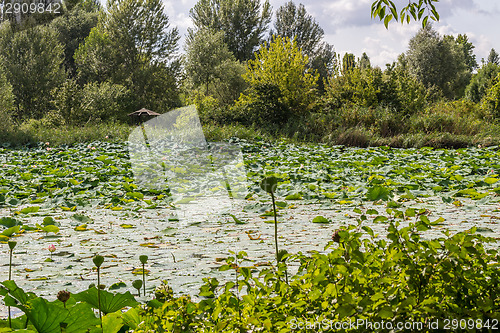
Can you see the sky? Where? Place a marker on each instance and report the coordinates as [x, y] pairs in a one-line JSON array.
[[349, 27]]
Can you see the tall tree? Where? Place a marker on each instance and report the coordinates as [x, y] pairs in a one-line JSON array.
[[364, 61], [33, 64], [482, 81], [209, 63], [295, 23], [132, 45], [73, 28], [468, 51], [348, 62], [242, 21], [438, 61], [493, 57], [6, 96]]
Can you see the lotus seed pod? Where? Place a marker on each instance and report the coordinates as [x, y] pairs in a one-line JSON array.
[[98, 260], [12, 245], [63, 295], [143, 259], [137, 284], [269, 184]]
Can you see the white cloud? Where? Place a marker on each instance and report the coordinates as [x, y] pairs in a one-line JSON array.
[[349, 27]]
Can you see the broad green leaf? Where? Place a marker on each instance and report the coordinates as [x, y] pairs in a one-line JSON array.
[[82, 219], [9, 222], [294, 196], [28, 210], [109, 302], [376, 193], [46, 317], [320, 219], [112, 322]]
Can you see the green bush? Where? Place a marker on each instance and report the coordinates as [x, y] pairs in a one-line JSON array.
[[264, 107], [211, 111], [355, 87], [93, 103], [460, 117], [404, 92], [401, 278], [369, 87], [281, 64], [491, 101]]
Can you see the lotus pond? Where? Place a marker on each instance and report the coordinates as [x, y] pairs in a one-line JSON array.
[[83, 200]]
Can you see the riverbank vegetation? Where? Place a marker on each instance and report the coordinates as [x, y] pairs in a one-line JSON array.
[[84, 69]]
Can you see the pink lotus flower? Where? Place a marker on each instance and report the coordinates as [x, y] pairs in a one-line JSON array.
[[46, 143], [52, 248]]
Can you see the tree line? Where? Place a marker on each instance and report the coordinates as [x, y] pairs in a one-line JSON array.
[[241, 63]]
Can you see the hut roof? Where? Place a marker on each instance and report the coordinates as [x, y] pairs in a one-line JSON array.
[[143, 112]]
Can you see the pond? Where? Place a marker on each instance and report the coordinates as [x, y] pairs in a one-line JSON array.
[[88, 193]]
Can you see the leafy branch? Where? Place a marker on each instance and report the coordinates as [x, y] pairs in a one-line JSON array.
[[420, 10]]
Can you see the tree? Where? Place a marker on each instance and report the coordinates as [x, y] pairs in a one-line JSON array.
[[438, 61], [493, 57], [468, 51], [481, 82], [491, 100], [242, 21], [33, 65], [95, 101], [6, 97], [209, 62], [295, 23], [6, 104], [364, 61], [348, 62], [386, 10], [133, 46], [281, 64], [73, 28]]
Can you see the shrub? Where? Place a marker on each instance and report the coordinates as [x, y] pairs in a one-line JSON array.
[[265, 107], [359, 276], [355, 86], [404, 92], [281, 65], [369, 87], [481, 82], [210, 110], [460, 117], [491, 101], [93, 103]]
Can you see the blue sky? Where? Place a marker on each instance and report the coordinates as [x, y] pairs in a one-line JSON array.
[[349, 28]]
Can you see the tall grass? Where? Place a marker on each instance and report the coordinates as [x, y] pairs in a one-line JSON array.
[[33, 132]]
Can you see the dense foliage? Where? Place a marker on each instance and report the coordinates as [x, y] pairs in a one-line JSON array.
[[403, 274], [90, 65], [361, 279]]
